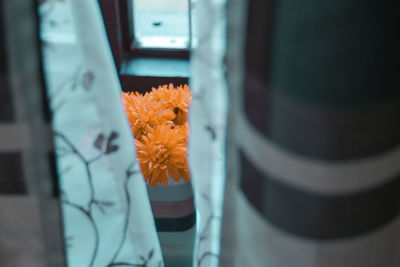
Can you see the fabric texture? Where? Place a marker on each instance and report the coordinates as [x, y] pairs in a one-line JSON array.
[[107, 216], [313, 143], [30, 221], [208, 118]]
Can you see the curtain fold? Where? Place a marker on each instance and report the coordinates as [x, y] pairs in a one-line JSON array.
[[30, 221], [208, 115], [313, 135], [108, 219]]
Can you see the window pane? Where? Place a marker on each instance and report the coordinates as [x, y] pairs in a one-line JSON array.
[[161, 23]]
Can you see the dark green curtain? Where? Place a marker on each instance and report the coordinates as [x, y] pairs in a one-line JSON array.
[[328, 71], [315, 134]]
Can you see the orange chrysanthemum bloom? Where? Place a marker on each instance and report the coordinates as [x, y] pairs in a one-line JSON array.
[[159, 124], [143, 114], [176, 99], [162, 153], [183, 129]]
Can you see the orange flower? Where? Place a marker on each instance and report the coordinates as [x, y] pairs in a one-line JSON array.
[[162, 153], [162, 93], [182, 102], [183, 129], [159, 124], [176, 99], [143, 114]]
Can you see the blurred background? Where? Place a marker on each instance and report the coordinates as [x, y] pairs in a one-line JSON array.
[[295, 131]]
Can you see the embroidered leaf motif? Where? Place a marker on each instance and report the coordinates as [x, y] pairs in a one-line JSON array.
[[151, 253], [99, 141], [87, 79], [212, 132], [110, 146]]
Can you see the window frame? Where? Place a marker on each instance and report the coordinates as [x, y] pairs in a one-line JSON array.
[[128, 35], [118, 19]]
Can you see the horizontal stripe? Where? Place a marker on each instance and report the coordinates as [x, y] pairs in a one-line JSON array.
[[328, 177], [174, 209], [14, 137], [273, 247], [175, 224], [320, 216], [335, 133], [175, 191], [22, 233], [263, 244]]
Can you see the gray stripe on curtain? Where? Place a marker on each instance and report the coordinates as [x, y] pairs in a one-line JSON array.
[[311, 174], [21, 241], [14, 137], [333, 132], [320, 216], [261, 243]]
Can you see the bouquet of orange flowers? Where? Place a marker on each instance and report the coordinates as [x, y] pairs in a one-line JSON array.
[[158, 121]]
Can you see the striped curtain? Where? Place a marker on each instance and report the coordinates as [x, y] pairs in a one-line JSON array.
[[30, 221], [314, 125]]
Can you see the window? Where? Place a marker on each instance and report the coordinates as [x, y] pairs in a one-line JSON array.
[[162, 24], [151, 40]]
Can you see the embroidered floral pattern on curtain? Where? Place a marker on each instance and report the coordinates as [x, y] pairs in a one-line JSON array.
[[108, 219]]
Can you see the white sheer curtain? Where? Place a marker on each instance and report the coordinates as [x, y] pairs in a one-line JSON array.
[[208, 128], [106, 210], [107, 215]]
